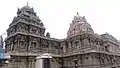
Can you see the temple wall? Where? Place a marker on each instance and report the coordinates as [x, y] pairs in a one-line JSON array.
[[92, 60], [21, 62]]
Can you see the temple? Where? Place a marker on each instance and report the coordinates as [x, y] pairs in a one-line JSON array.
[[83, 48]]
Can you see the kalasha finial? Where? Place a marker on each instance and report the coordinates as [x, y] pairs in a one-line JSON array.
[[27, 3], [77, 13]]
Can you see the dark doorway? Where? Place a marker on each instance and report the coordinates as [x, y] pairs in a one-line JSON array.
[[76, 65], [46, 63]]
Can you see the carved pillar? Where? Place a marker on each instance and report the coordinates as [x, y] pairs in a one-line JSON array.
[[86, 43], [31, 62], [79, 44], [18, 45], [49, 45], [69, 45], [98, 46], [82, 44], [94, 45], [12, 46], [64, 48], [29, 47], [91, 43]]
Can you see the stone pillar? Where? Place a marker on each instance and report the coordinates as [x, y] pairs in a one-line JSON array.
[[39, 62], [64, 48]]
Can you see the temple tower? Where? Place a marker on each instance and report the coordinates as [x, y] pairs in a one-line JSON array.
[[23, 27], [79, 26], [26, 39], [23, 38]]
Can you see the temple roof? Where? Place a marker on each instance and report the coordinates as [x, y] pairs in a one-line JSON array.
[[77, 16], [26, 8], [110, 38]]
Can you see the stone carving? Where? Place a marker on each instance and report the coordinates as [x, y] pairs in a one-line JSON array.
[[48, 35], [76, 45], [84, 19], [22, 28], [11, 31], [86, 43], [33, 30], [41, 24], [22, 43], [42, 32]]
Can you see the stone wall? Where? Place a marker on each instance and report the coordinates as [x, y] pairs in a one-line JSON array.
[[23, 43], [21, 62], [91, 60]]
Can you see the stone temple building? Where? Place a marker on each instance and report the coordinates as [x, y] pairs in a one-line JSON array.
[[82, 48]]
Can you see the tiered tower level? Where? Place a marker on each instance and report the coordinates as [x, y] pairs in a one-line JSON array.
[[26, 39], [25, 32]]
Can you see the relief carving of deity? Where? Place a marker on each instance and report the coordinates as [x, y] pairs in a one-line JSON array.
[[19, 28], [33, 30], [22, 42]]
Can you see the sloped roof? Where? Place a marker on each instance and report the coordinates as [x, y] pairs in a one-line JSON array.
[[109, 37]]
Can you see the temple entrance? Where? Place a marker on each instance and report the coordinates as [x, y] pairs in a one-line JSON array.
[[46, 63], [43, 61]]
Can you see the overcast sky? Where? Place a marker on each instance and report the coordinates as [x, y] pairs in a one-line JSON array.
[[103, 15]]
